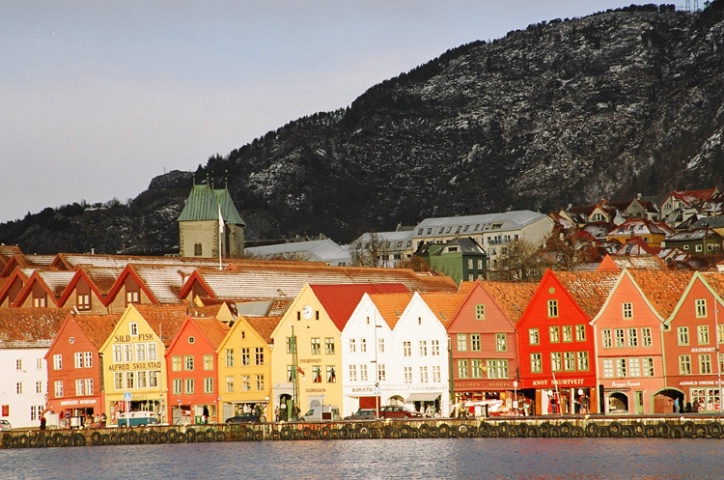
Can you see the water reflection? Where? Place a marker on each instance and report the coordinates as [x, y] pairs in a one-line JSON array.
[[523, 458]]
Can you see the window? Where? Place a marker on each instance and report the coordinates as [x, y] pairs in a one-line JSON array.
[[78, 356], [533, 336], [19, 388], [176, 363], [646, 339], [316, 346], [259, 382], [552, 308], [363, 345], [536, 365], [38, 363], [381, 345], [648, 366], [381, 372], [570, 361], [684, 364], [83, 301], [580, 333], [58, 388], [132, 297], [363, 377], [352, 345], [435, 347], [683, 335], [407, 349], [153, 378], [608, 367], [141, 352], [407, 371], [130, 380], [583, 364], [480, 312], [702, 334], [704, 364], [208, 361], [38, 387], [128, 352], [329, 346], [567, 333], [198, 250], [79, 387], [501, 342], [208, 385], [259, 356], [475, 342], [331, 375], [497, 368], [554, 334], [423, 348], [423, 374], [627, 310], [229, 384], [620, 337], [606, 340], [118, 380], [633, 339], [317, 373], [40, 302], [291, 344], [133, 327], [620, 367], [476, 368], [462, 340], [462, 369], [700, 304], [57, 361], [720, 330], [556, 361], [634, 367], [35, 412], [245, 357], [353, 373], [230, 357], [246, 383], [177, 386], [142, 380]]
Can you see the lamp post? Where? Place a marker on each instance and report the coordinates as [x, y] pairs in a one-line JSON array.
[[295, 385], [718, 351], [515, 397], [377, 370]]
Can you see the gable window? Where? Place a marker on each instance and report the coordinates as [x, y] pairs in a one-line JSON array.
[[556, 361], [245, 357], [230, 358], [702, 333], [132, 297], [352, 345], [633, 339], [133, 326], [57, 361], [83, 301], [40, 302], [258, 356], [627, 310], [480, 312], [329, 346], [580, 333], [620, 338], [475, 342], [423, 348], [176, 363], [700, 307], [552, 308], [533, 336], [606, 339], [684, 364], [567, 333], [435, 347], [407, 349]]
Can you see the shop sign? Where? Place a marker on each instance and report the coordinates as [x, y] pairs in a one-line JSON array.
[[134, 366], [310, 360], [141, 337], [316, 390], [625, 384], [362, 389], [694, 383]]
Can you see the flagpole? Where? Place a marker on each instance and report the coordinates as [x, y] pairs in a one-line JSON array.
[[558, 394], [221, 232]]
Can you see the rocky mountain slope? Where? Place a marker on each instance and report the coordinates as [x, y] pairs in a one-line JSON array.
[[567, 111]]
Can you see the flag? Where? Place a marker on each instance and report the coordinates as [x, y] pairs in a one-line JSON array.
[[221, 221]]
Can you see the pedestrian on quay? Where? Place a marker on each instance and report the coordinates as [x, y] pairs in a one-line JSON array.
[[276, 414], [43, 422], [695, 407]]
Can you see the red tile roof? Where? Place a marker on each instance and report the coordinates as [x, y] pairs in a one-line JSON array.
[[391, 305], [264, 326], [512, 297], [662, 289], [97, 327], [30, 325], [589, 289], [339, 301]]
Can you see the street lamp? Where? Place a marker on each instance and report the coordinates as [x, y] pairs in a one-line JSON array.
[[295, 385], [377, 371], [515, 397]]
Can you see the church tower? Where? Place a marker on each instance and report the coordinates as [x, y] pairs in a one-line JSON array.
[[207, 215]]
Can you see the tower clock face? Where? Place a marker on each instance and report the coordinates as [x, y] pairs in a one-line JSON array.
[[307, 312]]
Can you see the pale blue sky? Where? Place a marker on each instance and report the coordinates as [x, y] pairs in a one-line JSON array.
[[97, 97]]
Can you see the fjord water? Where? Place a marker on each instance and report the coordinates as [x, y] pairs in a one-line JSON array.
[[488, 458]]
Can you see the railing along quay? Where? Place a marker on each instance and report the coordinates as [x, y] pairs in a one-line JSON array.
[[589, 426]]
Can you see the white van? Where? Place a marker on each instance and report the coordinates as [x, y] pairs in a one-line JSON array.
[[321, 413]]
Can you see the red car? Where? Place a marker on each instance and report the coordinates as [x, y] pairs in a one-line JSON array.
[[397, 411]]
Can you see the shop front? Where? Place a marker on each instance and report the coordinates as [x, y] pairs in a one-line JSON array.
[[565, 396], [78, 412], [482, 398], [258, 407]]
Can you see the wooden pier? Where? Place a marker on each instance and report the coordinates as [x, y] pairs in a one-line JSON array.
[[690, 427]]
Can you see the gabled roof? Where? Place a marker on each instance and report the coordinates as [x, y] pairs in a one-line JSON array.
[[211, 328], [391, 305], [589, 289], [264, 326], [326, 250], [695, 234], [640, 226], [17, 274], [71, 261], [165, 320], [203, 203], [646, 262], [477, 224], [662, 289], [339, 301], [97, 327], [100, 280], [511, 297], [54, 283], [637, 246], [29, 327], [444, 305]]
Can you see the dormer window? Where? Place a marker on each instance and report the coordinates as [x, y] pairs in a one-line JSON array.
[[40, 302], [132, 297], [83, 301]]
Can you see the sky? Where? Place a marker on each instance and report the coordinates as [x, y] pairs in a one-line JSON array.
[[98, 97]]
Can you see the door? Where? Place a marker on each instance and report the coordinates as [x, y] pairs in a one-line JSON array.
[[639, 399]]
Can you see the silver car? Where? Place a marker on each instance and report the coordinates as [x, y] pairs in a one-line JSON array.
[[5, 425]]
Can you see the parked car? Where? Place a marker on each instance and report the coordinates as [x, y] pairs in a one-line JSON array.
[[243, 418], [5, 425], [137, 419], [398, 411], [362, 414], [321, 413]]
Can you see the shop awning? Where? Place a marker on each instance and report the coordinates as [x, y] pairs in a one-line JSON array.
[[422, 397]]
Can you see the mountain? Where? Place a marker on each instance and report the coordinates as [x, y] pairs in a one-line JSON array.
[[567, 111]]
